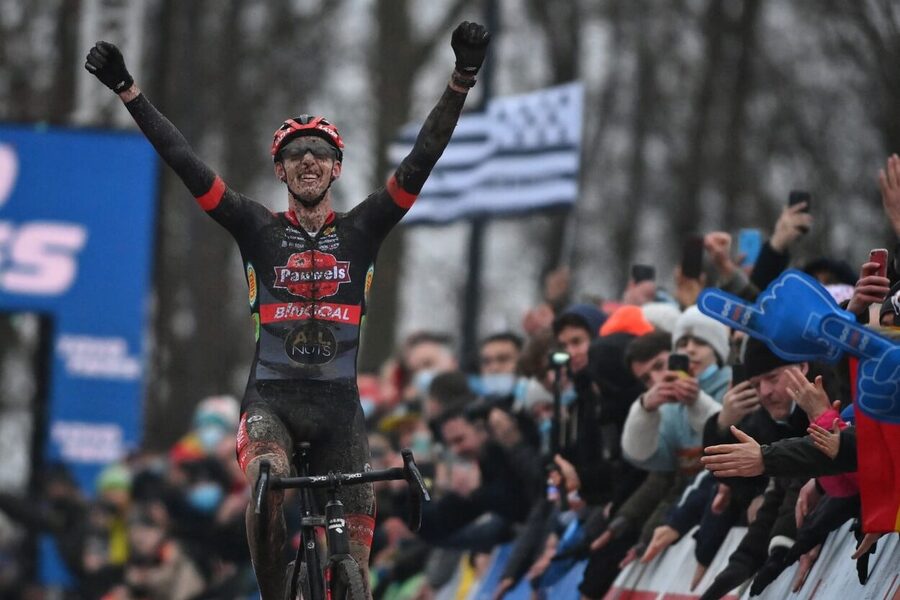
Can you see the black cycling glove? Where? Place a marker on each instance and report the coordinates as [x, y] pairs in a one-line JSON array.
[[469, 43], [107, 64]]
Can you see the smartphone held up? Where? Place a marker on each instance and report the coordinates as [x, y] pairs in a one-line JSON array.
[[679, 363], [692, 257], [880, 256]]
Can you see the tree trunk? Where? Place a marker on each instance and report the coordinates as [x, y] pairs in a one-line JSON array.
[[685, 214], [396, 59], [732, 168]]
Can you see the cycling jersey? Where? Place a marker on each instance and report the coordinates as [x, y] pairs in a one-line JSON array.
[[307, 290]]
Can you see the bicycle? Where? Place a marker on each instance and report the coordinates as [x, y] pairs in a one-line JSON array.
[[341, 579]]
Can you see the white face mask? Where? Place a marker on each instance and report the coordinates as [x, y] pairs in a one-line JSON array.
[[421, 445], [210, 436], [368, 407], [423, 381], [497, 384]]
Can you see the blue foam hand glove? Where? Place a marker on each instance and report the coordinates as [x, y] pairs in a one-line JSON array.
[[878, 385], [787, 316]]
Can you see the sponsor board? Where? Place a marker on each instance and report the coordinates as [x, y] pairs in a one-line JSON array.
[[81, 442], [76, 237], [94, 357]]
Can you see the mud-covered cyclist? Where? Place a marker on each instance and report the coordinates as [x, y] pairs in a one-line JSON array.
[[308, 270]]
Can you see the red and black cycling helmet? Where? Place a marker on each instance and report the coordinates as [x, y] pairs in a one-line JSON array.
[[307, 125]]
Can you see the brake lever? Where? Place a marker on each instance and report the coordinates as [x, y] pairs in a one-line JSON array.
[[413, 474], [262, 486]]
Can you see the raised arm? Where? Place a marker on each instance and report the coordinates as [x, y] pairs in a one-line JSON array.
[[105, 61], [469, 43]]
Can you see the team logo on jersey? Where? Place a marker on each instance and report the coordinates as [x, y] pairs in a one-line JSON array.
[[370, 275], [311, 344], [312, 274], [251, 284]]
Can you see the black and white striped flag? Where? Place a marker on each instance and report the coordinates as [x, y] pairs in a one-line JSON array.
[[520, 154]]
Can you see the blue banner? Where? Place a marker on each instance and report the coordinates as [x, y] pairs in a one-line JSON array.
[[76, 240]]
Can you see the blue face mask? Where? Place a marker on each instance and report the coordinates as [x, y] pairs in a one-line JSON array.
[[545, 426], [423, 381], [368, 407], [205, 497], [210, 436], [568, 396], [498, 384], [421, 445], [708, 372]]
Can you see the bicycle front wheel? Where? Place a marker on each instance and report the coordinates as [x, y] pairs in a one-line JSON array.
[[346, 581], [302, 583]]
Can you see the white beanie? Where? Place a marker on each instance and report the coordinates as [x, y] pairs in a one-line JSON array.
[[662, 315], [694, 323]]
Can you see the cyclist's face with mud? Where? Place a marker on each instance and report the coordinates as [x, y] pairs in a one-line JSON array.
[[308, 166]]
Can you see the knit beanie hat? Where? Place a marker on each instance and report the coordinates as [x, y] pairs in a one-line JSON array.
[[758, 359], [115, 476], [586, 316], [627, 319], [224, 411], [662, 315], [694, 323]]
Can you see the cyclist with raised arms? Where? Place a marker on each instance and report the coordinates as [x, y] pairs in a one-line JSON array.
[[308, 270]]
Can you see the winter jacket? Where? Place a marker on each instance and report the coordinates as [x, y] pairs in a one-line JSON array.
[[769, 265], [798, 457], [695, 508], [508, 488], [670, 437], [764, 429]]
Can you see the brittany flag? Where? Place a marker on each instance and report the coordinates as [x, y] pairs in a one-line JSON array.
[[520, 154]]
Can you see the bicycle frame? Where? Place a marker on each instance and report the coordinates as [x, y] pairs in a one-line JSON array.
[[333, 521]]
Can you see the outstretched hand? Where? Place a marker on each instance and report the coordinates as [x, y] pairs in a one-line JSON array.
[[469, 43], [743, 459], [106, 63]]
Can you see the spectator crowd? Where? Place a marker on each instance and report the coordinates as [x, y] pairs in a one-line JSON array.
[[602, 431]]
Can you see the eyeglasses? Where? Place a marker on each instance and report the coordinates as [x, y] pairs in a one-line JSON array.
[[319, 148]]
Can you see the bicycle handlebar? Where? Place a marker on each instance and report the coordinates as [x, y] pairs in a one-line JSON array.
[[409, 472]]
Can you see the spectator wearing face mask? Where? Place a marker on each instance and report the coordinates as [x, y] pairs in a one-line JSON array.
[[664, 427]]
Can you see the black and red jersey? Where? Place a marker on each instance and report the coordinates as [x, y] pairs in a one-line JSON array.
[[307, 291]]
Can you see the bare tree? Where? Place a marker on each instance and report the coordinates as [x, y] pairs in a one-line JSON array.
[[398, 56]]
